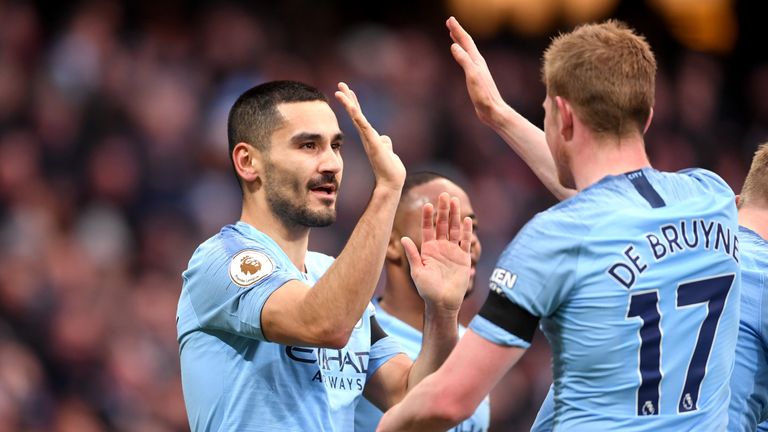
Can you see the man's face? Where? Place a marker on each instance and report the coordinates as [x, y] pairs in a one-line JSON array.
[[303, 165], [408, 219], [556, 143]]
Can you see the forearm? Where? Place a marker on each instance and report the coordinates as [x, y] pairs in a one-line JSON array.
[[423, 411], [451, 394], [396, 377], [439, 338], [338, 299], [529, 142]]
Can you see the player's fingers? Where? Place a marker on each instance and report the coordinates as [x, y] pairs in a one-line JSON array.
[[347, 97], [466, 235], [411, 252], [454, 222], [347, 103], [442, 222], [461, 37], [344, 88], [342, 94], [349, 92], [461, 56], [427, 223]]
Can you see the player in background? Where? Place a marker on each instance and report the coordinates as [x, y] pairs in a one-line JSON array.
[[400, 309], [273, 337], [634, 279], [749, 382]]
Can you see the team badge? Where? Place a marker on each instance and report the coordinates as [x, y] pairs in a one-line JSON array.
[[248, 266]]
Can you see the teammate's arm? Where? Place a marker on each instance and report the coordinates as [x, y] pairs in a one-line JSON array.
[[441, 274], [399, 374], [451, 394], [522, 136], [326, 314]]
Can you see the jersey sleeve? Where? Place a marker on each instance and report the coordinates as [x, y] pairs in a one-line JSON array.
[[531, 279], [227, 285], [383, 346], [545, 419], [716, 185]]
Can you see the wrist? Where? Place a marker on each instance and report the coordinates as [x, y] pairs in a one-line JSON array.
[[503, 115], [441, 312], [441, 322], [387, 190]]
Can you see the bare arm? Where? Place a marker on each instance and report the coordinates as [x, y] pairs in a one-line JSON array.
[[326, 314], [522, 136], [441, 273], [450, 395]]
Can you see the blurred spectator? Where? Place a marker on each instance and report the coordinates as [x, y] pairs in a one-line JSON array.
[[114, 165]]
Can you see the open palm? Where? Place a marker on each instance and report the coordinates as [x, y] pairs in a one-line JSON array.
[[480, 84], [441, 270]]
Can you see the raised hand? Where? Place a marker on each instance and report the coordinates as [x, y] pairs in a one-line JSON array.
[[387, 166], [480, 84], [527, 140], [441, 271]]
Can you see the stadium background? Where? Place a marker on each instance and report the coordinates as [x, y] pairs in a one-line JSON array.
[[113, 160]]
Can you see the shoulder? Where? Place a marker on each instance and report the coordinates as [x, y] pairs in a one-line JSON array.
[[230, 240], [754, 250], [548, 246], [705, 179], [601, 200], [559, 233], [244, 258], [563, 223]]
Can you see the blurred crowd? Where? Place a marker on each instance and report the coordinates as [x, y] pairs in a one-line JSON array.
[[114, 167]]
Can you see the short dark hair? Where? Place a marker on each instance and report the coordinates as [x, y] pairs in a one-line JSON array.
[[254, 115], [419, 178]]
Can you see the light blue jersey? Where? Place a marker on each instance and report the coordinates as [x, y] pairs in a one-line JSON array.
[[545, 419], [233, 378], [636, 283], [367, 416], [749, 383]]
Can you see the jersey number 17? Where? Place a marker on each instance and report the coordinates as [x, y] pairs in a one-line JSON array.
[[712, 293]]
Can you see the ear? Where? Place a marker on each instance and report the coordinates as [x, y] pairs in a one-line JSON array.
[[565, 114], [395, 253], [648, 122], [247, 161], [738, 201]]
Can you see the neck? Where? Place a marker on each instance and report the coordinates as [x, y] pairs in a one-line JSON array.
[[596, 158], [755, 218], [400, 297], [293, 240]]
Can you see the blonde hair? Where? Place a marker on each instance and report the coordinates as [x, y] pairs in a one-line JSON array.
[[606, 72], [755, 190]]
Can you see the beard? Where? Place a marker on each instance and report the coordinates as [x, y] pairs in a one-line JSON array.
[[284, 195]]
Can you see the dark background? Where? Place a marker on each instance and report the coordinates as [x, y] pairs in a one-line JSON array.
[[114, 166]]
